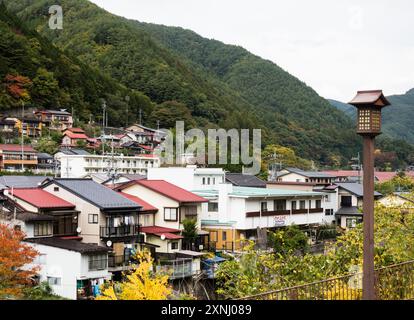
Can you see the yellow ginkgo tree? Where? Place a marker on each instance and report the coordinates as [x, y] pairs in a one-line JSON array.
[[140, 284]]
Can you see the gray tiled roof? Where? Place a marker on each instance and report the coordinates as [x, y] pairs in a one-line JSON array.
[[93, 192], [349, 211], [22, 181], [355, 188], [310, 174], [72, 245], [245, 180], [79, 152]]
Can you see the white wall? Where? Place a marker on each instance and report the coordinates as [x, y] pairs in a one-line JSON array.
[[77, 166], [90, 232], [67, 265]]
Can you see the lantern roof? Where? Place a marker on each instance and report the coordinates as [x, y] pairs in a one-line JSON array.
[[372, 97]]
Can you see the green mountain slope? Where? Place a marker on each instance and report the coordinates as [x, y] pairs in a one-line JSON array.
[[220, 84], [397, 118], [35, 71]]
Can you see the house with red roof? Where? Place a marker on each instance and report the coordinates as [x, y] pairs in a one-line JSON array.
[[174, 204], [73, 136], [64, 216]]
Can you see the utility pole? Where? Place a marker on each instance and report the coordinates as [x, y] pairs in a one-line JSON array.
[[103, 126], [127, 101], [22, 136]]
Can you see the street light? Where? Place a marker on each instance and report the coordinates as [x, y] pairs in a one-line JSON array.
[[369, 105]]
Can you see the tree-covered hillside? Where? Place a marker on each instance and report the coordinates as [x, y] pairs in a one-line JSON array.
[[34, 71], [220, 84]]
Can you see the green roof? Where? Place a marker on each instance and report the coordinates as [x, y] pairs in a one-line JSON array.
[[248, 192]]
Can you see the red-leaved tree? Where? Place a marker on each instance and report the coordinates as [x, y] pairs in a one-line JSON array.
[[15, 255]]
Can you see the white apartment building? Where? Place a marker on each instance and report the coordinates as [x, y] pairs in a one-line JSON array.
[[234, 213], [77, 166], [189, 177]]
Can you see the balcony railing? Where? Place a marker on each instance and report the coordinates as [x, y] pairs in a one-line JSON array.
[[252, 214], [176, 269], [121, 231], [394, 282], [118, 261]]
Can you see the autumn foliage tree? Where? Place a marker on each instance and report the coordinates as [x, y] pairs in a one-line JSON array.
[[141, 284], [14, 255]]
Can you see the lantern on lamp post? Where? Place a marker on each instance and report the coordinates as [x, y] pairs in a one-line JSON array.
[[369, 105]]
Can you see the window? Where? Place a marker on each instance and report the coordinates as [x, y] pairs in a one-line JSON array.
[[55, 189], [214, 180], [174, 245], [170, 214], [263, 206], [54, 281], [327, 198], [302, 204], [224, 236], [208, 180], [43, 229], [204, 180], [328, 212], [351, 222], [212, 207], [318, 204], [346, 201], [280, 205], [92, 218], [98, 262], [293, 205]]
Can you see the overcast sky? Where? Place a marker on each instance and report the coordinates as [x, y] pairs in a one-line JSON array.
[[337, 47]]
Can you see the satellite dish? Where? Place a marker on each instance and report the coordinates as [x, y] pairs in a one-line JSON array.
[[78, 230], [109, 243], [163, 237]]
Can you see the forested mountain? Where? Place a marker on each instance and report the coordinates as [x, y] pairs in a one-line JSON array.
[[397, 118], [218, 84], [36, 72]]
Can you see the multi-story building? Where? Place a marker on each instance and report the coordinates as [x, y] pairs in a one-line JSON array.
[[173, 204], [298, 175], [28, 127], [189, 177], [64, 217], [349, 204], [73, 269], [55, 119], [13, 156], [73, 137], [105, 218], [233, 214], [77, 166]]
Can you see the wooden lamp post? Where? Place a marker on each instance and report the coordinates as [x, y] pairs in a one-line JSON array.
[[369, 105]]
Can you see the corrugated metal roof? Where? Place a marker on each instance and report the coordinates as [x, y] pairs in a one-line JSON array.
[[245, 180], [22, 181], [96, 193], [41, 199], [310, 174], [249, 192], [72, 245], [16, 148], [355, 188], [168, 190], [145, 205]]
